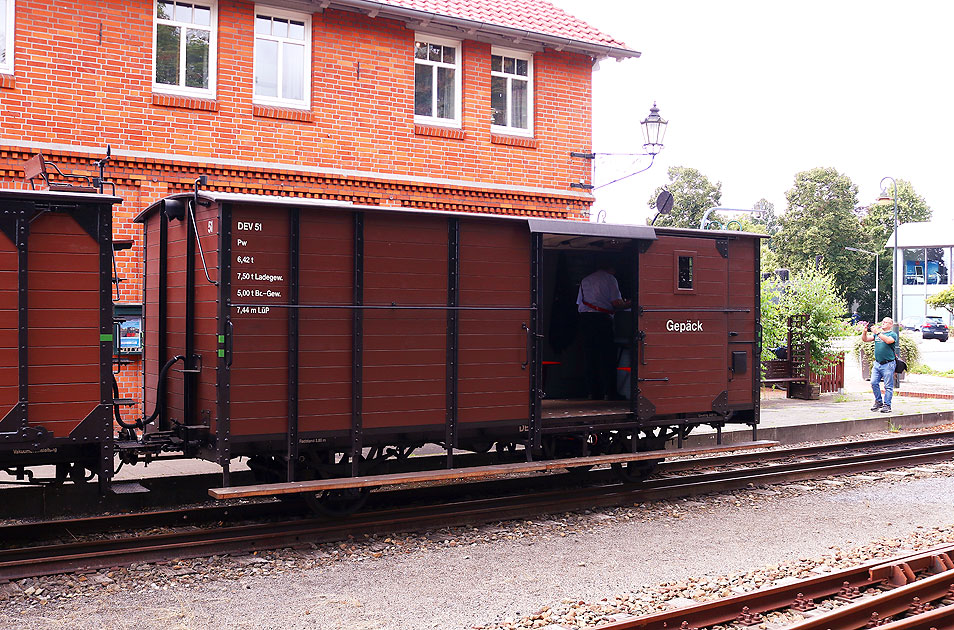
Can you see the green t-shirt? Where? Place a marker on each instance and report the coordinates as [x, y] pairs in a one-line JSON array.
[[885, 351]]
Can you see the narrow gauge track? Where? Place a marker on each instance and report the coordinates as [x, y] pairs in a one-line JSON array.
[[231, 512], [910, 592], [96, 554]]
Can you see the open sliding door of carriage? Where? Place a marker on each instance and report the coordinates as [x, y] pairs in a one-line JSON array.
[[581, 246]]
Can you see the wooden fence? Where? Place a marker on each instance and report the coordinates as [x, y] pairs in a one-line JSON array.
[[833, 378]]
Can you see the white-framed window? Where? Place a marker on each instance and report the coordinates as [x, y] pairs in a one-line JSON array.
[[282, 58], [437, 80], [511, 91], [6, 36], [185, 37]]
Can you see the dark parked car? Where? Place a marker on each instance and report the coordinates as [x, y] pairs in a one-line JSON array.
[[934, 328]]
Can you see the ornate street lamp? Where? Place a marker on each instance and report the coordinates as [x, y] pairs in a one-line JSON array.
[[654, 130], [894, 257]]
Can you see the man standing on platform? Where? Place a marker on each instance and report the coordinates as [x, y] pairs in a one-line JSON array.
[[885, 346], [597, 300]]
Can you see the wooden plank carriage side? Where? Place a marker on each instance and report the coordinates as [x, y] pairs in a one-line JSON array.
[[336, 331], [56, 331], [340, 330]]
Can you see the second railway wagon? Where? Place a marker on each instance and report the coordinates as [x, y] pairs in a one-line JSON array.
[[321, 338], [56, 333]]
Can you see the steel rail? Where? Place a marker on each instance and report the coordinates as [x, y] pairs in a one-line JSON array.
[[800, 595], [941, 618], [849, 464], [910, 599], [196, 515], [802, 451], [71, 527], [20, 563]]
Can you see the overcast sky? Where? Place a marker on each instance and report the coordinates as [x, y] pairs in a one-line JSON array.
[[756, 92]]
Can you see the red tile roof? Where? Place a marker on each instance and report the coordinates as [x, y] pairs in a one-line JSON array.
[[534, 16]]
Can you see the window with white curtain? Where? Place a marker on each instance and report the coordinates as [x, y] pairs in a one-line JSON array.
[[282, 58], [184, 41], [511, 91], [437, 83]]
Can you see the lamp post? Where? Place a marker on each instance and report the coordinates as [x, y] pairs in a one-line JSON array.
[[877, 274], [894, 256]]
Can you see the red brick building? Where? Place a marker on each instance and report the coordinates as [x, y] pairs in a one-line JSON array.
[[467, 105]]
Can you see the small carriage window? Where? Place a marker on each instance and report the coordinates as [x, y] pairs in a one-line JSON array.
[[685, 272]]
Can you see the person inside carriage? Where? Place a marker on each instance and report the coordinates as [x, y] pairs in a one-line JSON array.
[[598, 300]]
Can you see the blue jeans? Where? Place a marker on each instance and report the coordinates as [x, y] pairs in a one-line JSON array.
[[885, 372]]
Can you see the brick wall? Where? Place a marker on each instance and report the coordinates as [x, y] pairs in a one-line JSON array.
[[84, 77], [83, 80]]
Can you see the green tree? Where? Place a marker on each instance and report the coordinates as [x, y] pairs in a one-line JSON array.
[[944, 299], [878, 219], [877, 223], [692, 193], [765, 222], [771, 223], [808, 292], [819, 223], [768, 260], [771, 319]]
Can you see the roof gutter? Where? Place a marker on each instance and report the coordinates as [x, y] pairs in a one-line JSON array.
[[472, 27]]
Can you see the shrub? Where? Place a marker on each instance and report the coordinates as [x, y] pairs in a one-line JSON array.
[[807, 292]]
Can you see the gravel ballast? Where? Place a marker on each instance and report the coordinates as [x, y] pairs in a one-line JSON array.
[[562, 571]]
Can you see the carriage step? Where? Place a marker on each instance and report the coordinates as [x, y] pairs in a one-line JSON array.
[[128, 487], [125, 401], [476, 472]]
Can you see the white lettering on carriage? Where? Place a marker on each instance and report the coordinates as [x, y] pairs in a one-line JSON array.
[[681, 327]]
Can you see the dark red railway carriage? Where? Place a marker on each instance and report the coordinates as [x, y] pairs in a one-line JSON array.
[[56, 332], [321, 338]]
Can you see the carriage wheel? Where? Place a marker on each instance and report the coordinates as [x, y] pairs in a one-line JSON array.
[[638, 471], [74, 471], [506, 448], [552, 450], [337, 503], [635, 472]]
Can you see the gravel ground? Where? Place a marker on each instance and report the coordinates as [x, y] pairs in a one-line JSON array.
[[564, 571]]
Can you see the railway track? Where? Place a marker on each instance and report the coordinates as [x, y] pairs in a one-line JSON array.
[[910, 592], [738, 472]]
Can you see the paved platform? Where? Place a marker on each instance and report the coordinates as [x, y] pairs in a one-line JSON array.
[[846, 413]]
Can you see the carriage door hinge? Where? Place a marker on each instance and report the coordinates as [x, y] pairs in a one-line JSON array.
[[723, 246]]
